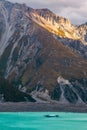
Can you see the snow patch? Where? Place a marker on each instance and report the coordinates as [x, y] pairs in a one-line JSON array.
[[63, 81]]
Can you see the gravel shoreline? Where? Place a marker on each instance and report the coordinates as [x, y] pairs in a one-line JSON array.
[[42, 107]]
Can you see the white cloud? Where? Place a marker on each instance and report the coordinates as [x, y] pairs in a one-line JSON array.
[[75, 10]]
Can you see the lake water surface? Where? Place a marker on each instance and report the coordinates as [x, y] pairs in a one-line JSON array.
[[38, 121]]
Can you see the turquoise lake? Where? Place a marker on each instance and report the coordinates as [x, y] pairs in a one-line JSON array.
[[37, 121]]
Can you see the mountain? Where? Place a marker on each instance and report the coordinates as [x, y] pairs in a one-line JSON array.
[[73, 36], [39, 53]]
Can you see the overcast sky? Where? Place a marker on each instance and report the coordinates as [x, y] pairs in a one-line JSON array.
[[75, 10]]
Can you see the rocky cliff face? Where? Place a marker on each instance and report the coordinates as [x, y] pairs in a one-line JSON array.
[[82, 30], [33, 59], [73, 91]]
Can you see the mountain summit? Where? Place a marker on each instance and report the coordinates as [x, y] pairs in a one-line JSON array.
[[43, 54]]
